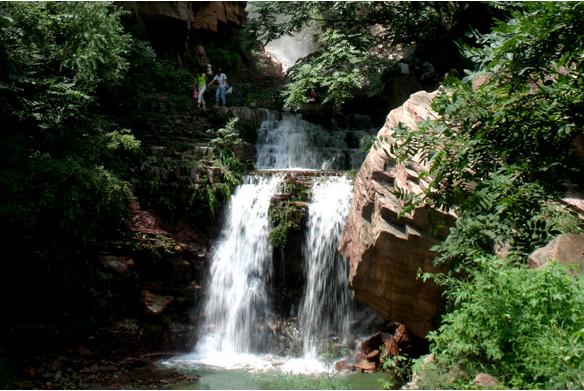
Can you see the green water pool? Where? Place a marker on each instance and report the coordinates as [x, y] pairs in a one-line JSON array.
[[237, 379]]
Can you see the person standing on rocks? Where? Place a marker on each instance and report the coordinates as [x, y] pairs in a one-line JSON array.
[[201, 80], [222, 85]]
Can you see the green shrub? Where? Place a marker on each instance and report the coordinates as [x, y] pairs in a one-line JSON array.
[[285, 215], [284, 220], [523, 326], [499, 154]]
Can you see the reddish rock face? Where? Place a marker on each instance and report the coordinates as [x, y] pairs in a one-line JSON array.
[[565, 248], [385, 253], [205, 15], [211, 13]]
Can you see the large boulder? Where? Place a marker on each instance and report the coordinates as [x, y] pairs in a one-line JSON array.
[[565, 248], [385, 253]]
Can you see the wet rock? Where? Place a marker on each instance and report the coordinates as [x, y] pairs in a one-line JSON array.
[[155, 304], [365, 366], [91, 369], [343, 365], [485, 380], [244, 151], [391, 347], [82, 351], [372, 343], [285, 336], [374, 356], [300, 204], [117, 264]]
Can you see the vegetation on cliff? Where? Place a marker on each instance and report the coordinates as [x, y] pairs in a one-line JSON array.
[[82, 105], [61, 188], [505, 137], [287, 215], [360, 41]]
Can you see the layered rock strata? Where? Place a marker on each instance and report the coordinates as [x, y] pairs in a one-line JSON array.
[[385, 252], [205, 15]]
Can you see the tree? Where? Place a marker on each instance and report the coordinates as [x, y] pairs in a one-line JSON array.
[[60, 193], [499, 153], [358, 40]]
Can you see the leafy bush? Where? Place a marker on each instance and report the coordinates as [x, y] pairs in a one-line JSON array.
[[60, 186], [356, 42], [524, 117], [499, 153], [285, 215], [54, 56], [523, 326], [184, 188]]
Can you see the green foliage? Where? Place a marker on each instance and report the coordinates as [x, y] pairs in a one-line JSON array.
[[499, 152], [84, 42], [54, 56], [432, 376], [528, 125], [152, 90], [285, 215], [353, 40], [400, 368], [61, 186], [527, 326], [352, 173], [193, 188], [337, 72], [284, 219], [504, 210], [226, 136]]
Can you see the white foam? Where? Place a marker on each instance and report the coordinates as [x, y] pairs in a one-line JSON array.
[[308, 365]]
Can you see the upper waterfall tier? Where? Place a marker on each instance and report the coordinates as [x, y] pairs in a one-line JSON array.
[[292, 142]]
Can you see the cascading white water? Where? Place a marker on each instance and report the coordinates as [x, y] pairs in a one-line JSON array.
[[237, 296], [295, 143], [326, 305], [237, 307], [288, 144]]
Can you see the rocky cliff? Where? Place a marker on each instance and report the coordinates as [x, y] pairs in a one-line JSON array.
[[181, 29], [203, 15], [385, 252]]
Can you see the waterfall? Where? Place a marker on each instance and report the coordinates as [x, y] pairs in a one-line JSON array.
[[295, 143], [326, 305], [288, 143], [238, 326], [237, 297]]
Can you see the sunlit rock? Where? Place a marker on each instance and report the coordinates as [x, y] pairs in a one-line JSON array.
[[385, 253], [566, 248]]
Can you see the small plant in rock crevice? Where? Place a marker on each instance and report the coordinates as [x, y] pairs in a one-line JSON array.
[[285, 218], [287, 215]]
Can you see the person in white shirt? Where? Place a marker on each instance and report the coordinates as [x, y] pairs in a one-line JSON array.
[[222, 86]]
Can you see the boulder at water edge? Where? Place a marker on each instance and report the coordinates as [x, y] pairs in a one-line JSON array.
[[385, 253]]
